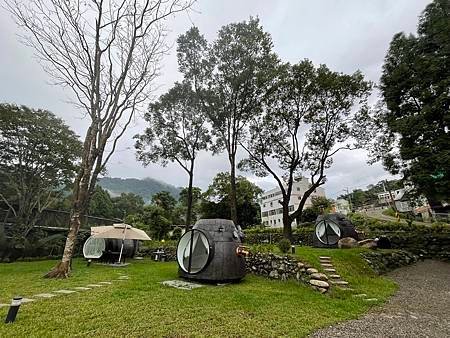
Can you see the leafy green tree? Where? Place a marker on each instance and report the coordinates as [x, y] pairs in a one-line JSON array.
[[413, 124], [38, 158], [230, 77], [308, 117], [321, 204], [127, 204], [152, 219], [176, 133], [215, 200], [165, 201], [101, 204], [183, 202]]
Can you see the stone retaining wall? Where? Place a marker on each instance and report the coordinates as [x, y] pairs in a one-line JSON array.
[[425, 244], [285, 267], [382, 261]]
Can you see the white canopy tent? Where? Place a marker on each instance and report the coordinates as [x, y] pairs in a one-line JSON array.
[[119, 231]]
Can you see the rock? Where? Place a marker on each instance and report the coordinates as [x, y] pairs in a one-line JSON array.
[[335, 276], [312, 270], [319, 276], [371, 299], [322, 290], [324, 257], [368, 243], [300, 265], [329, 270], [328, 265], [319, 283], [347, 243], [273, 274]]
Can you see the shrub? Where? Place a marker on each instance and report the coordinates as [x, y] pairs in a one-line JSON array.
[[284, 245]]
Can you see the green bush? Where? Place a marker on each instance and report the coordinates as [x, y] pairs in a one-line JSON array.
[[284, 245]]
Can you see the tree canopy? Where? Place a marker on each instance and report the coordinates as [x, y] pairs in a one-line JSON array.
[[38, 160], [215, 200], [413, 123], [230, 76], [177, 133], [310, 113]]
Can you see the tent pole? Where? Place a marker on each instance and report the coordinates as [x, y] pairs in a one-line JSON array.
[[123, 240]]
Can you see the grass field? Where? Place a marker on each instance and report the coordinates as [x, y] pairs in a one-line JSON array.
[[141, 306]]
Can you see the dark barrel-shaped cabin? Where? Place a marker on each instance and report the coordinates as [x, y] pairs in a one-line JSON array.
[[108, 249], [330, 228], [209, 252]]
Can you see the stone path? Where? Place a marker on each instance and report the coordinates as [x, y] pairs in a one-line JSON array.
[[420, 308], [121, 278]]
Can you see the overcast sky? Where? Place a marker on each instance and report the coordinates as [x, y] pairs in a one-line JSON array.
[[346, 35]]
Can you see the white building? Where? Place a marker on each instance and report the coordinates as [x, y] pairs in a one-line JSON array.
[[271, 209], [342, 206]]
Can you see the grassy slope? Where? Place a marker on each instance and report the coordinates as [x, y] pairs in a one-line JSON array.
[[143, 307]]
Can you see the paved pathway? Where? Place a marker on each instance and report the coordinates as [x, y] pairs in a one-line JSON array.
[[378, 214], [420, 308]]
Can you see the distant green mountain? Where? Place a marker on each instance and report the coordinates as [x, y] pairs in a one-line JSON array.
[[145, 187]]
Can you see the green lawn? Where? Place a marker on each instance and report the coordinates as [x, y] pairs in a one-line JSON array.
[[143, 307]]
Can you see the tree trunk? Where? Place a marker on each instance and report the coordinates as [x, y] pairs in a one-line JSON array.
[[287, 223], [62, 269], [80, 202], [233, 198], [189, 201]]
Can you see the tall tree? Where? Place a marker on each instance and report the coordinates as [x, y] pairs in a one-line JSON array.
[[101, 204], [230, 77], [414, 122], [215, 200], [38, 157], [183, 202], [127, 204], [177, 133], [307, 119], [165, 201], [108, 53]]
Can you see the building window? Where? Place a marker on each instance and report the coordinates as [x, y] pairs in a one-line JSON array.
[[298, 188], [291, 208], [264, 205], [271, 204]]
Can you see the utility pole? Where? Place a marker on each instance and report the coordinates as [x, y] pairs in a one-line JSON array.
[[349, 198]]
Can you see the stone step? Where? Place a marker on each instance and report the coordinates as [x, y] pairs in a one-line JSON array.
[[360, 295], [64, 291], [330, 270], [27, 300], [339, 282], [371, 299], [106, 283], [94, 285], [82, 288], [344, 288], [335, 276], [324, 257], [45, 295], [327, 265]]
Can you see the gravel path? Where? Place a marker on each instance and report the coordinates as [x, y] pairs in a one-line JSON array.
[[420, 308]]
